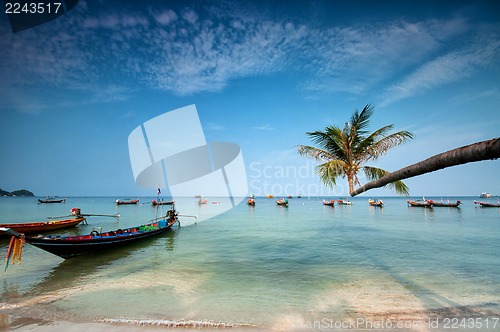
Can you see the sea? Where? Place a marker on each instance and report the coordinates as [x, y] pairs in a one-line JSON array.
[[305, 266]]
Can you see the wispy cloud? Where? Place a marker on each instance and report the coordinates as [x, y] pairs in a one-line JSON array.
[[450, 67], [214, 126], [265, 127], [187, 51]]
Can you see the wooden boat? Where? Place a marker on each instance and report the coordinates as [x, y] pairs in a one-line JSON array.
[[344, 202], [202, 201], [155, 202], [51, 200], [289, 196], [251, 202], [42, 226], [282, 202], [376, 202], [485, 204], [329, 203], [443, 204], [132, 201], [73, 246], [269, 196], [420, 203]]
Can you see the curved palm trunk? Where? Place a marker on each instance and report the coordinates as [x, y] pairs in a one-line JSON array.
[[485, 150]]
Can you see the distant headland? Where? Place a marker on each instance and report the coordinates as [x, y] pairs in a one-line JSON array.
[[22, 192]]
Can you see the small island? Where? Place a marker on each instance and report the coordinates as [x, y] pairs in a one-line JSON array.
[[21, 192]]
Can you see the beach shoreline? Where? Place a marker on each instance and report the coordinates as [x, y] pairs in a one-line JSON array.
[[39, 318]]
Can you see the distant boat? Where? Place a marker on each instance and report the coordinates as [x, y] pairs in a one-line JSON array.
[[344, 202], [329, 203], [443, 204], [132, 201], [282, 202], [203, 201], [251, 196], [299, 196], [289, 196], [485, 195], [198, 196], [376, 202], [420, 203], [53, 199], [269, 196], [251, 202], [155, 202], [484, 204]]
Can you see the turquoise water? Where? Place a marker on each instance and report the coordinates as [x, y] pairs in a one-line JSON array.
[[267, 266]]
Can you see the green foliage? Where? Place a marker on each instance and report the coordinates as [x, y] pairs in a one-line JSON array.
[[343, 151]]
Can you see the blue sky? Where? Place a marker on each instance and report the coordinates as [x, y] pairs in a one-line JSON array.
[[261, 74]]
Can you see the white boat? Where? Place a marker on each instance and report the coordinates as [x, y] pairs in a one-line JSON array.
[[485, 195]]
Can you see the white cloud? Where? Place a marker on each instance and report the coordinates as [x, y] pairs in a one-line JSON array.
[[265, 127], [205, 51], [166, 17]]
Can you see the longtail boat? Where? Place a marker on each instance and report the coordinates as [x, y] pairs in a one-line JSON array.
[[124, 202], [251, 202], [73, 246], [420, 203], [282, 202], [485, 204], [42, 226], [51, 200], [329, 203], [203, 201], [155, 202], [344, 202], [376, 202], [443, 204]]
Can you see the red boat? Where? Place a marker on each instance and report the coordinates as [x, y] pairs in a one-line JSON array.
[[329, 203], [42, 226], [443, 204], [132, 201], [73, 246], [251, 202], [484, 204]]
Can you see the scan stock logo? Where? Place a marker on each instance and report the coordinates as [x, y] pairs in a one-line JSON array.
[[171, 151]]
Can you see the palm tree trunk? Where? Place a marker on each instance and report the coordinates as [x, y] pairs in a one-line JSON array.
[[486, 150], [350, 181]]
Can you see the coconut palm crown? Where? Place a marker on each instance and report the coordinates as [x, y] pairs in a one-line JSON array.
[[344, 151]]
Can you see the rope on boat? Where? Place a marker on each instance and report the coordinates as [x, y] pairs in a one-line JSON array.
[[15, 251]]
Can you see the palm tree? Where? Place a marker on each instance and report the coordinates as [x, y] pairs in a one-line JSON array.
[[343, 151]]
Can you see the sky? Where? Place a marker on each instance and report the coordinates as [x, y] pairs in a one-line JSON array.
[[261, 74]]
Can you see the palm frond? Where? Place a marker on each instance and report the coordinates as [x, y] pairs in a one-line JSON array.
[[330, 171], [374, 173], [313, 152], [383, 145]]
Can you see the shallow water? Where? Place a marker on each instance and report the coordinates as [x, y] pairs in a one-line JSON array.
[[268, 266]]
